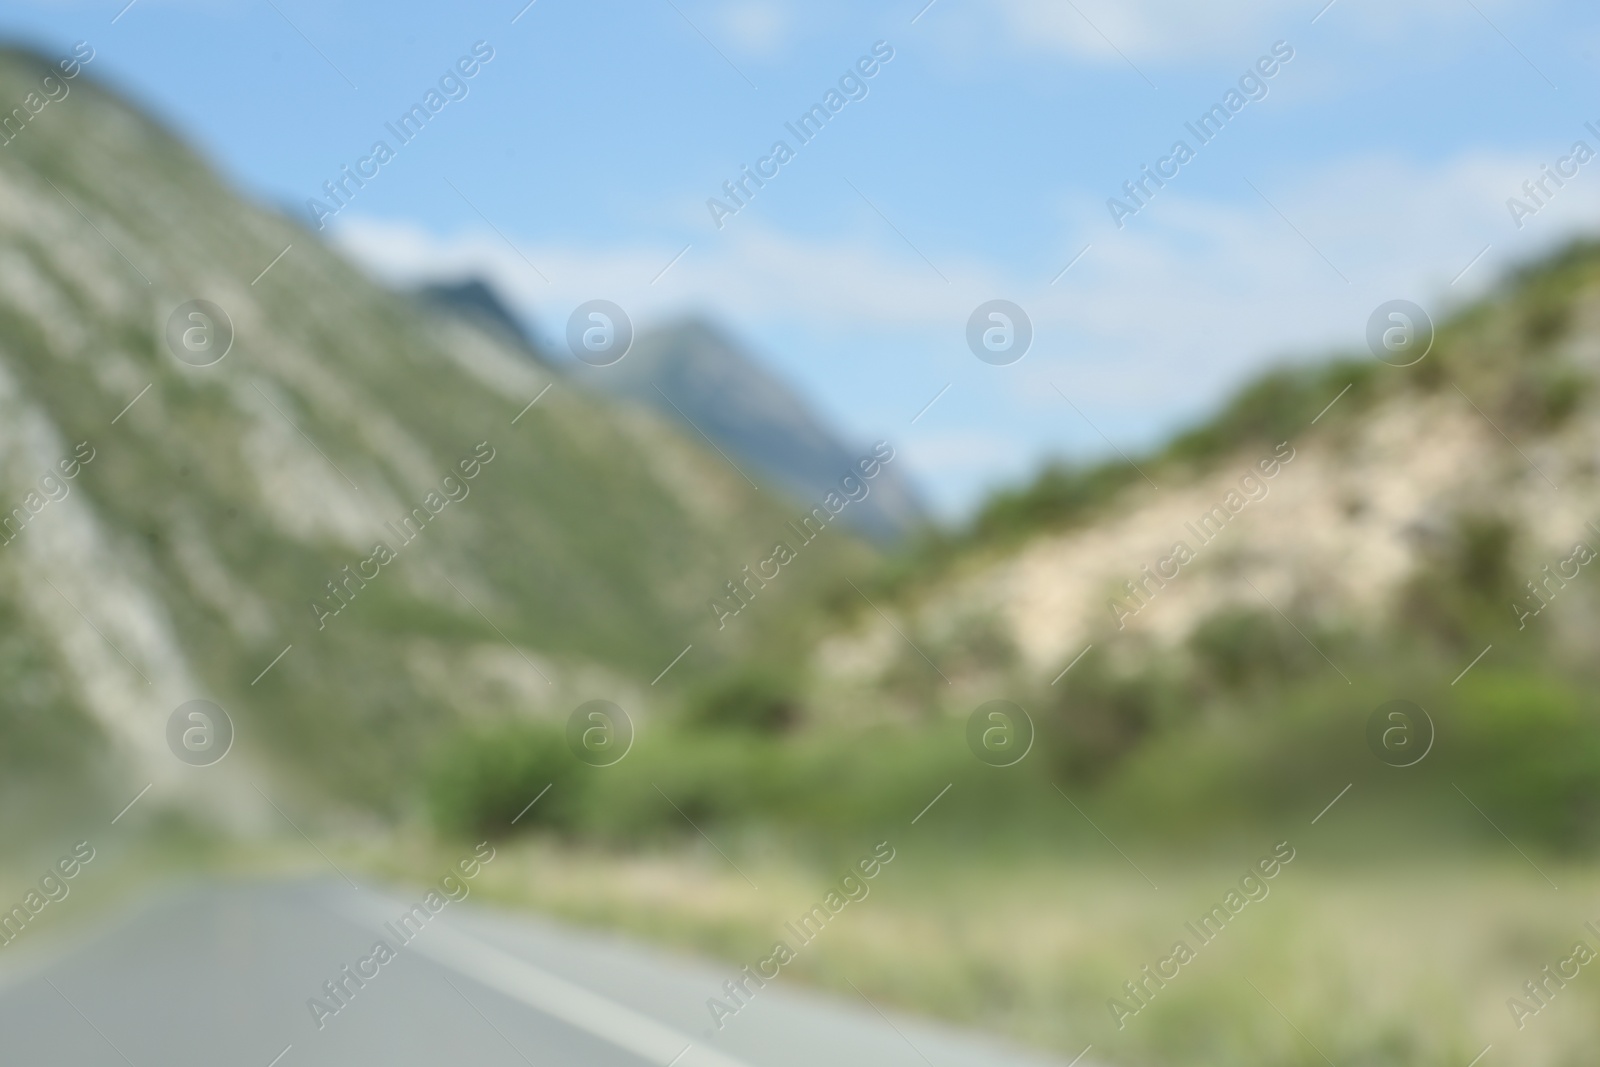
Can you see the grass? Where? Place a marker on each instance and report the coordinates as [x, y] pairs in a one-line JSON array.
[[596, 537], [1393, 961], [1373, 947]]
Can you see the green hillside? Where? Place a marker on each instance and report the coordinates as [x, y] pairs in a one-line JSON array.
[[1506, 348], [577, 562]]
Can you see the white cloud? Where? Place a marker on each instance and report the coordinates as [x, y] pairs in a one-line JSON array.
[[976, 456], [1157, 322], [758, 28], [1189, 279], [1138, 29], [751, 273], [1196, 294], [1158, 31]]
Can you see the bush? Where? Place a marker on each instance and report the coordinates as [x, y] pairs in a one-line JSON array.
[[484, 778], [1275, 407], [755, 699], [1238, 647], [1100, 717], [1465, 584], [1061, 495], [1526, 747]]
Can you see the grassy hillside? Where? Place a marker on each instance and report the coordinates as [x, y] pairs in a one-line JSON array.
[[1163, 764], [1510, 349], [1251, 703], [184, 558], [577, 562]]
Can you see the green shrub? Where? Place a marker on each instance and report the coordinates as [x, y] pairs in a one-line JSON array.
[[1061, 495], [1526, 748], [761, 700], [1238, 647], [1466, 582], [1098, 716], [484, 778]]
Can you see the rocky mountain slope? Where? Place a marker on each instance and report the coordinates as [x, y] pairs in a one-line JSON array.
[[695, 374], [1288, 506], [692, 373], [476, 301], [351, 527]]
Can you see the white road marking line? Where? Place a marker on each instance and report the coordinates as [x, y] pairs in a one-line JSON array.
[[528, 984]]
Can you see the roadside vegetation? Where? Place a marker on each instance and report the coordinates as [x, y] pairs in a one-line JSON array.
[[1422, 897]]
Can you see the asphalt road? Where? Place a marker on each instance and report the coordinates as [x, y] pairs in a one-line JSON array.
[[220, 976]]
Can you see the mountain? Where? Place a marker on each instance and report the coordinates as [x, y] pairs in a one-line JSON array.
[[693, 373], [351, 524], [1334, 493], [475, 301]]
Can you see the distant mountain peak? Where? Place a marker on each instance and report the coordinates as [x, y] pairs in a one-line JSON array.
[[693, 370], [475, 299], [231, 499]]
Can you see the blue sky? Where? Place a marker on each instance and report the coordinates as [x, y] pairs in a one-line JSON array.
[[978, 166]]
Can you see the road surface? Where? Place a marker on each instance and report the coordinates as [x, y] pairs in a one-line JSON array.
[[221, 976]]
